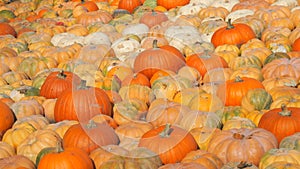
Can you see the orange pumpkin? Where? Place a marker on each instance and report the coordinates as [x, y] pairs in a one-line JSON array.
[[7, 118], [129, 5], [168, 4], [89, 136], [6, 29], [285, 121], [234, 90], [171, 143], [236, 34], [296, 45], [58, 82]]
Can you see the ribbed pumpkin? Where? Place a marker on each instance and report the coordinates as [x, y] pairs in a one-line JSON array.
[[242, 144], [256, 99], [171, 143], [285, 121], [236, 34], [129, 5], [57, 82], [234, 90], [206, 61], [89, 136], [151, 60], [81, 103], [6, 29]]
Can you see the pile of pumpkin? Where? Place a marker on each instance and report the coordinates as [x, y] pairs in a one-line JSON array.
[[210, 84]]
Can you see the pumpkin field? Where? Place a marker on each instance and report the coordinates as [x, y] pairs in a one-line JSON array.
[[149, 84]]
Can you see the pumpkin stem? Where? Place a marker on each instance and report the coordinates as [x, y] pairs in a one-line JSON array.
[[238, 136], [243, 164], [167, 131], [238, 79], [91, 124], [62, 75], [82, 85], [229, 24], [285, 111], [154, 45], [58, 147]]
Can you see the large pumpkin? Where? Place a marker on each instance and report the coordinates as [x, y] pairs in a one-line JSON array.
[[242, 144], [168, 4], [81, 103], [171, 143], [236, 34], [285, 121]]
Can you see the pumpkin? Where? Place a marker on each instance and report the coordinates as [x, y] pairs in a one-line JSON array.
[[33, 144], [235, 144], [202, 157], [162, 111], [203, 135], [16, 161], [129, 5], [69, 157], [61, 127], [233, 91], [277, 155], [6, 150], [57, 82], [285, 121], [129, 110], [36, 121], [212, 11], [153, 18], [135, 91], [256, 99], [136, 78], [236, 34], [255, 116], [89, 136], [250, 72], [197, 118], [274, 56], [168, 4], [171, 143], [7, 119], [134, 159], [89, 5], [291, 142], [167, 86], [228, 112], [283, 164], [238, 123], [75, 103], [279, 81], [239, 165], [89, 18], [205, 61], [182, 165], [296, 45], [25, 108], [6, 29], [289, 101], [151, 60], [104, 153]]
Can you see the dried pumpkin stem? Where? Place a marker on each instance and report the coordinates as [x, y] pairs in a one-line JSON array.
[[243, 164], [167, 131], [238, 136], [285, 111], [229, 24], [154, 45], [238, 79], [62, 75], [91, 124], [82, 85]]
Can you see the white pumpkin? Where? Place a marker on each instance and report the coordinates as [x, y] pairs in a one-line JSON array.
[[228, 4], [139, 29], [191, 9], [180, 36], [288, 3], [97, 38], [66, 39], [205, 2], [238, 14], [124, 46]]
